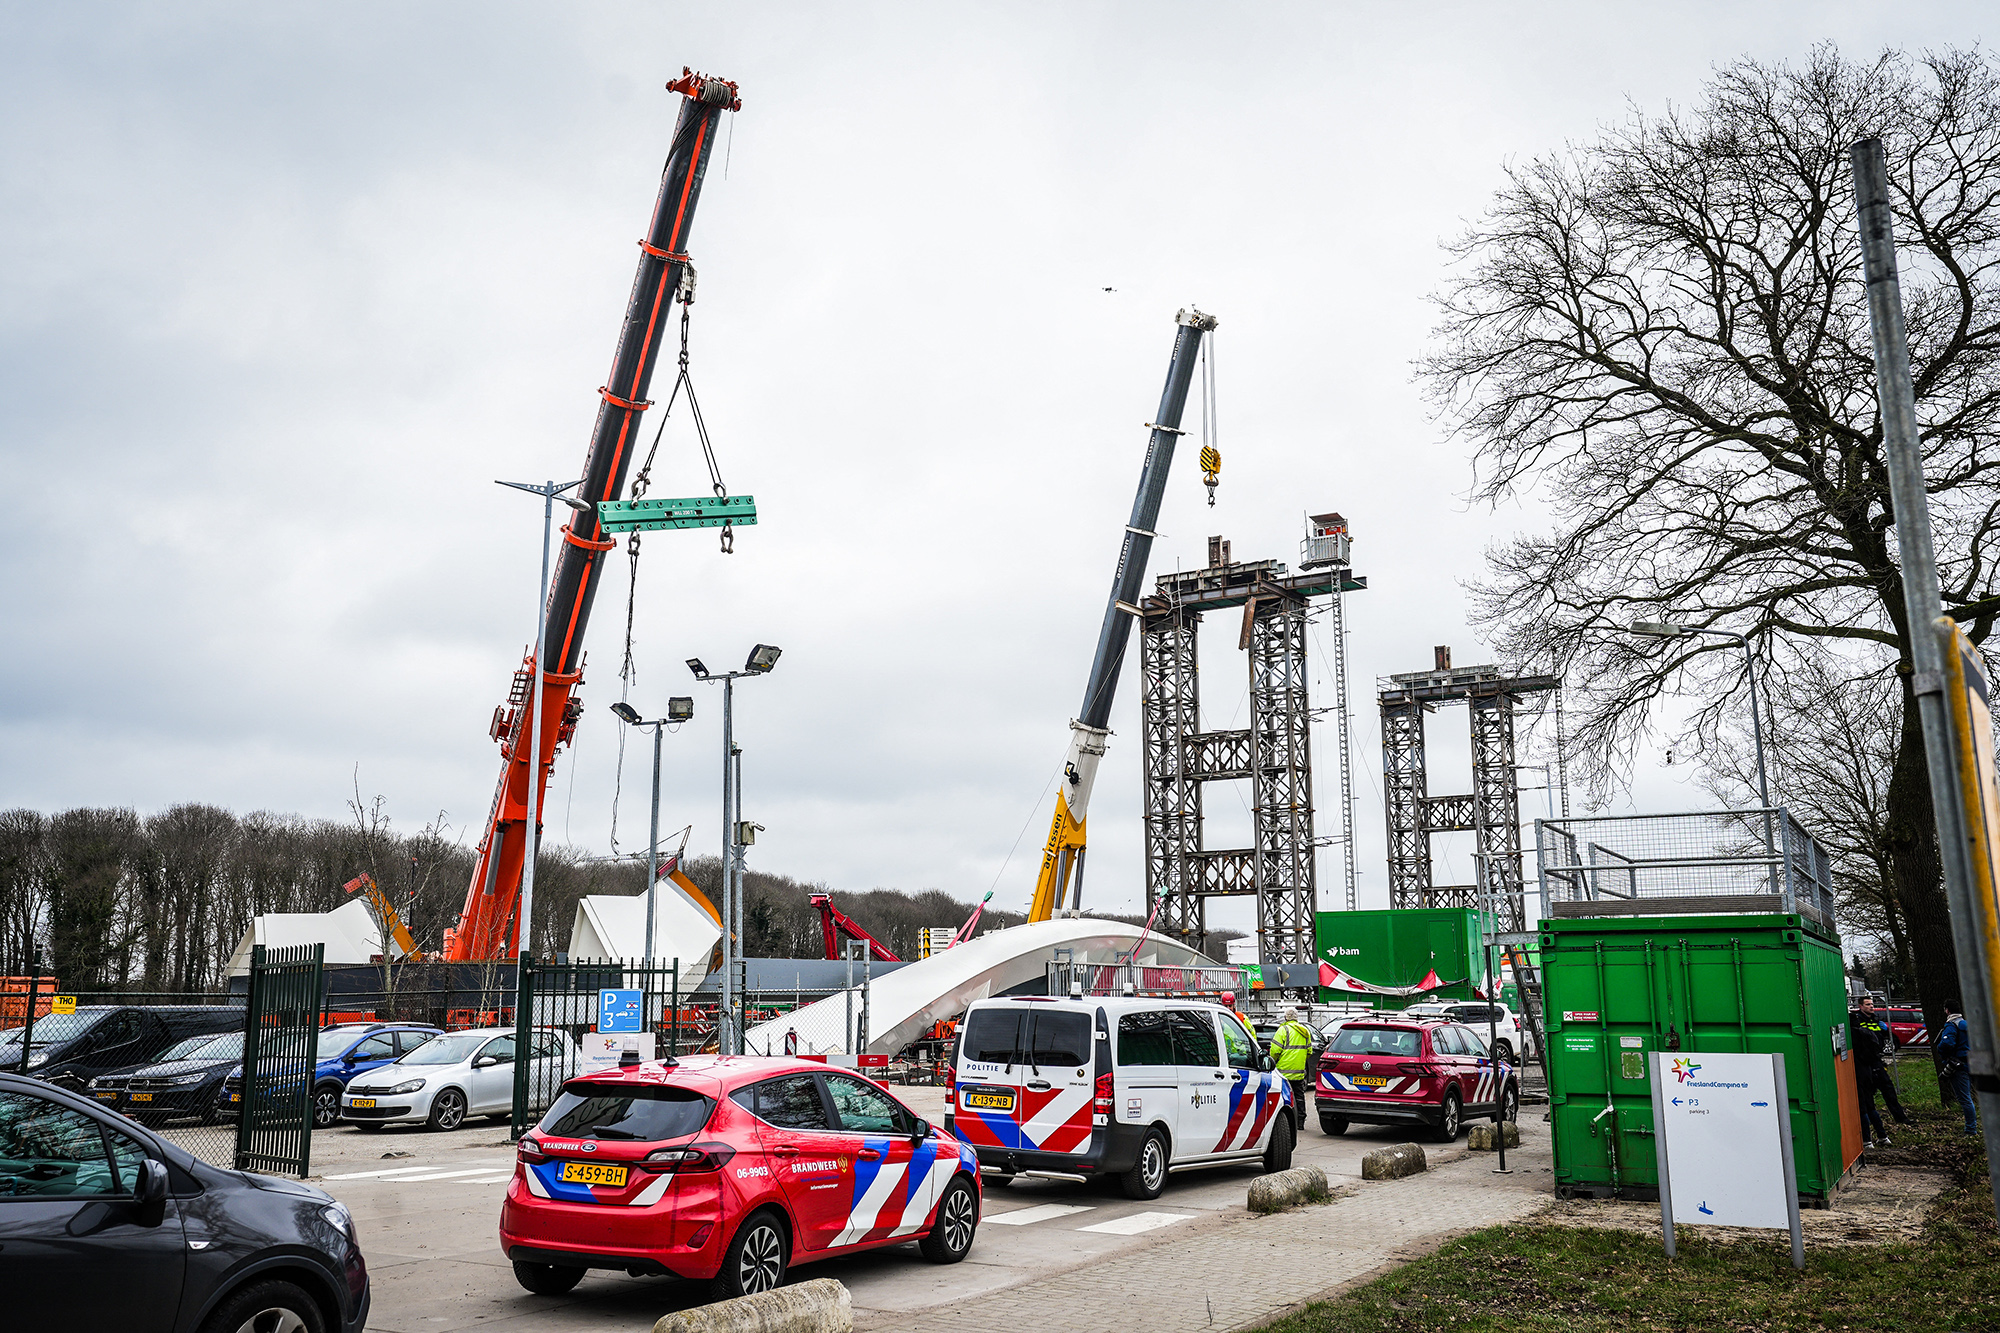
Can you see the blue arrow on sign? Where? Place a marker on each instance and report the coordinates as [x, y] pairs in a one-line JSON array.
[[1677, 1101], [1706, 1209]]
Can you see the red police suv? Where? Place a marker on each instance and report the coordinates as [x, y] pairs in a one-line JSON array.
[[730, 1169], [1427, 1071]]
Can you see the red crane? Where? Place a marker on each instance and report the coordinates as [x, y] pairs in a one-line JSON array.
[[486, 925], [835, 923]]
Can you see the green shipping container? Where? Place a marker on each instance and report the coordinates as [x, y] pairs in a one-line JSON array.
[[1399, 948], [1621, 988]]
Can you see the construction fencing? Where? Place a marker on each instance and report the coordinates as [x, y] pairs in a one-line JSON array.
[[1758, 860]]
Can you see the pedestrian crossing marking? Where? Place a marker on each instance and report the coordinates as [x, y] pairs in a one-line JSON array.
[[1046, 1212], [409, 1172], [1136, 1223]]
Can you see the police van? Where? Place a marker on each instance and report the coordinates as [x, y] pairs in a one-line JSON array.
[[1126, 1087]]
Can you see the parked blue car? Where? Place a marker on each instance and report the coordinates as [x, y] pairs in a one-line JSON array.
[[345, 1049]]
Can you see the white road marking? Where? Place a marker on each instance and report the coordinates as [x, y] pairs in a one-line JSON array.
[[1022, 1217], [1136, 1223], [411, 1172]]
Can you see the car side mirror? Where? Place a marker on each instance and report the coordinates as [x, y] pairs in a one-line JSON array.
[[1266, 1063], [921, 1131], [150, 1194], [484, 1062], [348, 1059]]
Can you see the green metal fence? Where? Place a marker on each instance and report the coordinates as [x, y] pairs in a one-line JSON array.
[[558, 1006], [280, 1045]]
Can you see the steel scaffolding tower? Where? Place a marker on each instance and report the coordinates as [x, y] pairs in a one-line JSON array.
[[1274, 752], [1492, 812], [1326, 547]]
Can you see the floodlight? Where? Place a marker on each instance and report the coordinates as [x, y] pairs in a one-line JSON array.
[[762, 658], [680, 708], [626, 713], [694, 665], [1657, 629]]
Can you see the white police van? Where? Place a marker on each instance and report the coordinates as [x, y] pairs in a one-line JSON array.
[[1114, 1086]]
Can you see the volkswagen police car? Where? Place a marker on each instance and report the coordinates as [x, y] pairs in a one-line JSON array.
[[1397, 1070], [1123, 1087], [732, 1170]]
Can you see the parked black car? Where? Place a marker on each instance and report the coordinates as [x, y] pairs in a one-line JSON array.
[[105, 1225], [184, 1084], [72, 1049]]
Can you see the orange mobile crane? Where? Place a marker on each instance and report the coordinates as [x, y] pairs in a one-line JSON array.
[[487, 925]]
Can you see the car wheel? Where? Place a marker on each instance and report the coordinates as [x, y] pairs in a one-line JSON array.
[[1503, 1051], [1278, 1152], [1510, 1104], [326, 1106], [755, 1260], [1333, 1124], [1148, 1175], [547, 1279], [1449, 1116], [957, 1220], [448, 1109], [267, 1307]]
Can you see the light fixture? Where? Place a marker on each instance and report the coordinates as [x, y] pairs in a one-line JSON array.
[[680, 708], [581, 506], [626, 713], [1657, 629], [762, 658], [694, 665]]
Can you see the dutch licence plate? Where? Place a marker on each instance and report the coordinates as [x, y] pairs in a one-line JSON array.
[[142, 1096], [1366, 1082], [592, 1173], [986, 1101], [235, 1096], [107, 1096], [361, 1103]]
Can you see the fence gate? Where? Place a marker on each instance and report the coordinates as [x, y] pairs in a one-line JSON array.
[[280, 1044], [559, 1005]]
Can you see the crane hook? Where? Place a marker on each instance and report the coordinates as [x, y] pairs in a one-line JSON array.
[[1211, 470]]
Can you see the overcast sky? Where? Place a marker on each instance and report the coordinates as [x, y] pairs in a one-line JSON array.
[[286, 288]]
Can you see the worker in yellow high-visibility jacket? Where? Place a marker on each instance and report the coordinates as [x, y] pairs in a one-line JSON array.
[[1291, 1048]]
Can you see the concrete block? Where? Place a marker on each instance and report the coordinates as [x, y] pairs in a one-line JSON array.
[[1405, 1159], [819, 1306], [1487, 1138], [1301, 1184]]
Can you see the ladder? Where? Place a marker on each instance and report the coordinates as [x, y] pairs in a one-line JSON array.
[[1530, 983]]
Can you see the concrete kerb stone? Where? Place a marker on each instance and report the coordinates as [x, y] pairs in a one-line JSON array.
[[1405, 1159], [1284, 1189], [1482, 1138], [822, 1305]]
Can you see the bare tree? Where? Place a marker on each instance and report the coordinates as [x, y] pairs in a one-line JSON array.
[[1664, 334]]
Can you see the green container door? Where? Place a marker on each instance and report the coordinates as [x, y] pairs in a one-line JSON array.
[[1619, 989]]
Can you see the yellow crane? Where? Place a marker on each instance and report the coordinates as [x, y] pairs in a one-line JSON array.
[[386, 917]]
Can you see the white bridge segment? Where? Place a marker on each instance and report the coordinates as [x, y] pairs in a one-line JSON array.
[[904, 1004]]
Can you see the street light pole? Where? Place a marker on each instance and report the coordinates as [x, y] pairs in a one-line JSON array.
[[679, 709], [531, 721]]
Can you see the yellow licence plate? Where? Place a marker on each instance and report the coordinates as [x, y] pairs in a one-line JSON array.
[[592, 1173], [107, 1096], [362, 1103], [142, 1096], [987, 1101], [1370, 1082]]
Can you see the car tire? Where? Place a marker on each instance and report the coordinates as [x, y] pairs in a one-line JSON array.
[[1335, 1125], [1503, 1051], [268, 1305], [447, 1110], [754, 1260], [1148, 1175], [1278, 1152], [1451, 1117], [957, 1223], [547, 1279], [1510, 1104], [326, 1105]]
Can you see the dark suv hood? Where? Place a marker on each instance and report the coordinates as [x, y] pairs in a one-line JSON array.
[[173, 1068]]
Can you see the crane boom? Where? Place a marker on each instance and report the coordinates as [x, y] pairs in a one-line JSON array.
[[487, 927], [1062, 854]]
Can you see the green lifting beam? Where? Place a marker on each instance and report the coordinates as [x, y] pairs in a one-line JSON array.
[[705, 511]]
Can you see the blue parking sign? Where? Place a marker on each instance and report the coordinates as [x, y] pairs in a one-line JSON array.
[[619, 1011]]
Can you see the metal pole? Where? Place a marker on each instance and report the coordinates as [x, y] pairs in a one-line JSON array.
[[28, 1021], [1763, 782], [735, 833], [1922, 609], [653, 844], [723, 1043], [531, 728]]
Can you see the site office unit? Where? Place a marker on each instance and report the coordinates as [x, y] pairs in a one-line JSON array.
[[1399, 947], [1621, 988], [1115, 1086]]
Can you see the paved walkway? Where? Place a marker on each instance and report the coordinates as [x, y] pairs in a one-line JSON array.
[[1235, 1270]]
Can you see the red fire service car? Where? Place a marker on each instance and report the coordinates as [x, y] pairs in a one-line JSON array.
[[1392, 1071], [730, 1169]]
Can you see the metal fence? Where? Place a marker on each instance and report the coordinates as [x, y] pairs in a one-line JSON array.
[[568, 1000], [280, 1053], [1706, 861]]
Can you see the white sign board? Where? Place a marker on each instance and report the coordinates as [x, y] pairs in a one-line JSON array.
[[1723, 1135], [601, 1050]]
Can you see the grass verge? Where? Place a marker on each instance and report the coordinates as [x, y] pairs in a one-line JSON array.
[[1584, 1280]]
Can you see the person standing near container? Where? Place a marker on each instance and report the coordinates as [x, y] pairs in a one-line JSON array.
[[1291, 1047], [1954, 1073], [1869, 1037]]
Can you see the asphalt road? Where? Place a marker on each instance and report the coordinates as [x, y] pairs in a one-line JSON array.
[[428, 1204]]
